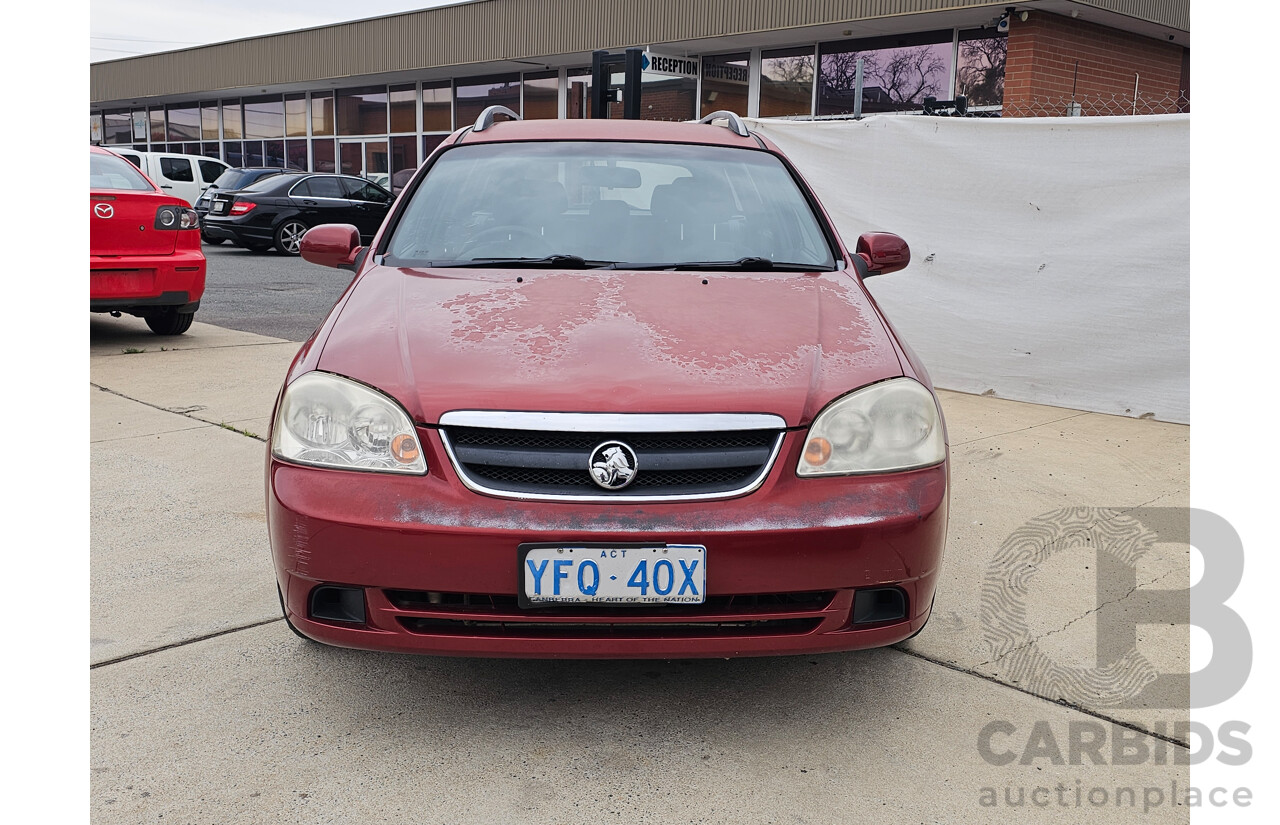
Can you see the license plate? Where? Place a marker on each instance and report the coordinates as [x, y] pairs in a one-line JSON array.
[[220, 207], [613, 574]]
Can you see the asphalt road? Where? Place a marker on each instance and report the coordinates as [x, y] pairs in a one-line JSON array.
[[267, 293]]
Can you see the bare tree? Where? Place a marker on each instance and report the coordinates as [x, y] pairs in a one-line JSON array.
[[903, 76], [981, 72], [798, 69]]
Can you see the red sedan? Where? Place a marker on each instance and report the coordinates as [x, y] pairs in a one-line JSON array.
[[144, 247], [606, 389]]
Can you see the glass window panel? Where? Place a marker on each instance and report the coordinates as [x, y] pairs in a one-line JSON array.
[[322, 155], [232, 123], [578, 94], [786, 82], [156, 118], [273, 153], [351, 158], [725, 78], [232, 154], [429, 144], [264, 117], [980, 67], [295, 154], [211, 150], [253, 153], [295, 115], [375, 158], [209, 121], [437, 107], [541, 95], [117, 128], [663, 98], [404, 108], [475, 94], [362, 111], [898, 72], [404, 154], [140, 126], [322, 113], [190, 148], [184, 123]]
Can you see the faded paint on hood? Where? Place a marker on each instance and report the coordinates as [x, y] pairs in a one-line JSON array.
[[605, 341]]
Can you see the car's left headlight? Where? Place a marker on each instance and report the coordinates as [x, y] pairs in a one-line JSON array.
[[893, 425], [330, 421]]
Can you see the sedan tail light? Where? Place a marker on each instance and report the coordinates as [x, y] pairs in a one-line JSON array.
[[241, 207], [176, 217]]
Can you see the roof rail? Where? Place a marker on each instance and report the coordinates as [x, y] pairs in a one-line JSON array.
[[735, 122], [486, 117]]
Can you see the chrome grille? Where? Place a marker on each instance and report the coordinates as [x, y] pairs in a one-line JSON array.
[[555, 463]]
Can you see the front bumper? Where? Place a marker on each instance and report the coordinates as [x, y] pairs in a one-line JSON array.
[[439, 566], [145, 283]]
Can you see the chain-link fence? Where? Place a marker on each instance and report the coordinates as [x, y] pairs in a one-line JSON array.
[[1095, 106], [1079, 106]]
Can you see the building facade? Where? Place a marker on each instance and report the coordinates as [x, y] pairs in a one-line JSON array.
[[376, 96]]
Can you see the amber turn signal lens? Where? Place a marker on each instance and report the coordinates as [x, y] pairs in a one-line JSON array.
[[817, 451], [404, 448]]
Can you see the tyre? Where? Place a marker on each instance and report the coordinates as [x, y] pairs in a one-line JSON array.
[[289, 237], [256, 247], [211, 241], [170, 322]]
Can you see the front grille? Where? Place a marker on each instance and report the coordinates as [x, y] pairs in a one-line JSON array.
[[554, 464], [756, 614]]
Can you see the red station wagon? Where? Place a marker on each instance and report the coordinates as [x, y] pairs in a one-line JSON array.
[[606, 389], [144, 247]]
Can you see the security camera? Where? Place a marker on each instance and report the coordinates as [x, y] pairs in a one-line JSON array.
[[1003, 25]]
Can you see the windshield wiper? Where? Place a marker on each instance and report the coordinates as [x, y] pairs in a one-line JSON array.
[[750, 263], [548, 262]]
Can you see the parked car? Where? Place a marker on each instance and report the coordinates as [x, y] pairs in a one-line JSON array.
[[230, 181], [185, 176], [144, 247], [278, 210], [606, 388]]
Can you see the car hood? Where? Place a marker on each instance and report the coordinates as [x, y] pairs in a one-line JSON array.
[[617, 341]]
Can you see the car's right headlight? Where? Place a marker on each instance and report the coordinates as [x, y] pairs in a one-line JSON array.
[[329, 421], [892, 425]]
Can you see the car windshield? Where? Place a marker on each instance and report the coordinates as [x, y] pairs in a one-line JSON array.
[[111, 172], [649, 205]]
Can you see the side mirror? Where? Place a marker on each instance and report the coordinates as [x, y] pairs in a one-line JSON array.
[[331, 244], [884, 252]]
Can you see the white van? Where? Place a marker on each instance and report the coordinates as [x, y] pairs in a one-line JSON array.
[[185, 176]]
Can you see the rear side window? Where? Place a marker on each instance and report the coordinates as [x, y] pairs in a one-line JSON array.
[[178, 169], [210, 170], [111, 172], [326, 188]]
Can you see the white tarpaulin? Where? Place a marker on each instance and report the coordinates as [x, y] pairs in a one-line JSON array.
[[1050, 257]]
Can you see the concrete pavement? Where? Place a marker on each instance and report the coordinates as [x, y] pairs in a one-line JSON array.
[[206, 709]]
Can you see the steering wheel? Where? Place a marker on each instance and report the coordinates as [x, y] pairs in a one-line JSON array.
[[502, 237]]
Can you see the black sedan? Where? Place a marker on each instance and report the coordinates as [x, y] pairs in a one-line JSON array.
[[277, 211], [229, 181]]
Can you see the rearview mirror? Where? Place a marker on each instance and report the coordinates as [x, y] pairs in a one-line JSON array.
[[883, 252], [331, 244]]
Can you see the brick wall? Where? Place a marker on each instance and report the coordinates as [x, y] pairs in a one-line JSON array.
[[1043, 55]]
